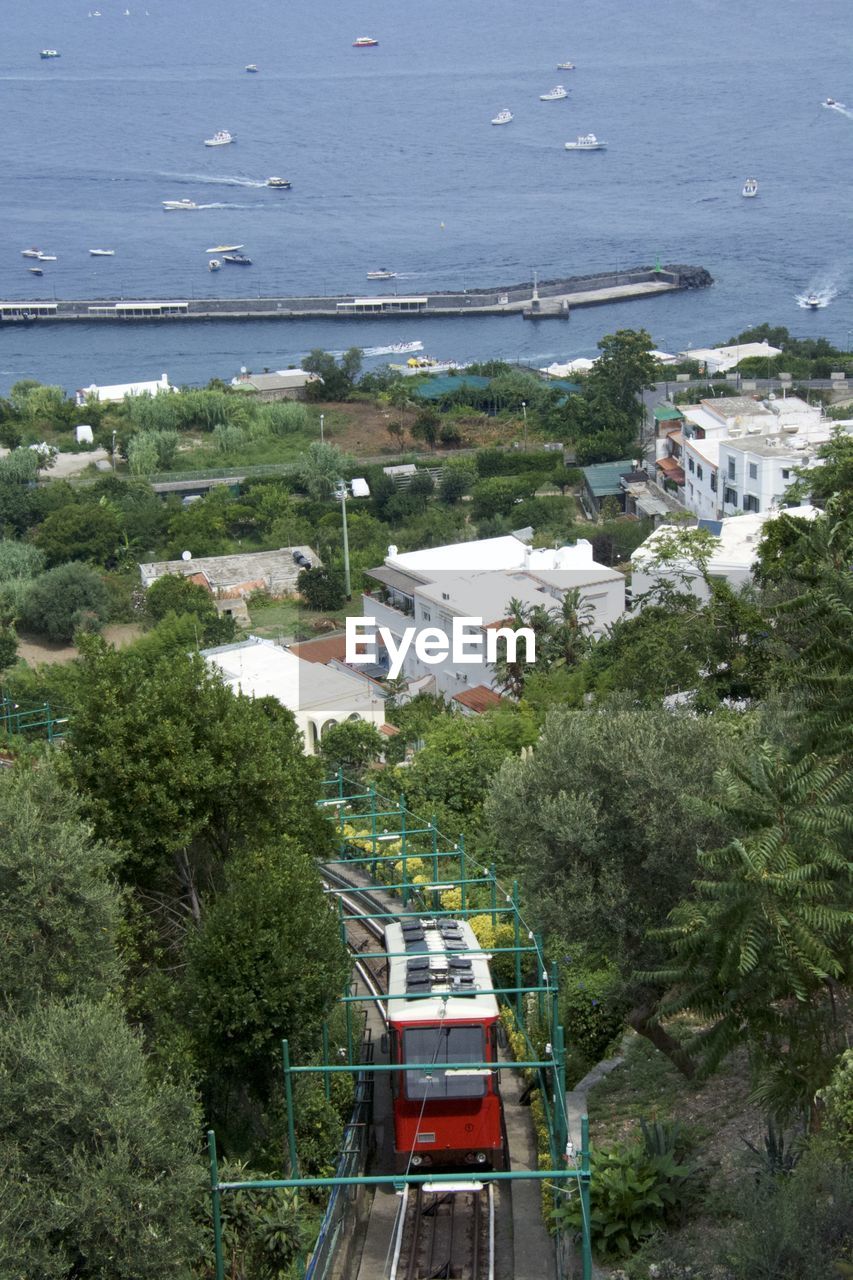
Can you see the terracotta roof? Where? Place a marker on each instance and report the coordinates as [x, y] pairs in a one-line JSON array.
[[478, 699], [323, 649], [671, 469], [389, 730]]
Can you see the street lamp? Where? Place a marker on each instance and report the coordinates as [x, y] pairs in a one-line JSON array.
[[524, 411], [358, 488], [114, 451], [322, 420]]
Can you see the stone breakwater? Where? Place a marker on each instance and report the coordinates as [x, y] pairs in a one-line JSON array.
[[532, 299]]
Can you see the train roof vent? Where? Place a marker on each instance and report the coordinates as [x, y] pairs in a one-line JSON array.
[[455, 944], [417, 946], [417, 963], [410, 926], [449, 926], [459, 964], [418, 985]]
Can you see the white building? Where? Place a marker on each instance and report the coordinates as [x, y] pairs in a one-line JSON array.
[[722, 359], [114, 394], [428, 589], [733, 557], [319, 696]]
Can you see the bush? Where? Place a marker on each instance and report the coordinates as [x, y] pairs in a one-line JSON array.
[[590, 1012], [322, 589], [71, 597]]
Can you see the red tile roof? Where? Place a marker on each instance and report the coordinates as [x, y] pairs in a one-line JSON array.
[[478, 699], [671, 469], [323, 649], [389, 730]]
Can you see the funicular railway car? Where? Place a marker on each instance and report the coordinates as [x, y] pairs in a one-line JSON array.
[[440, 1012]]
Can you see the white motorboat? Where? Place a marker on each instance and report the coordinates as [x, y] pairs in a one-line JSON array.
[[31, 253], [170, 205], [225, 248], [554, 95], [750, 189], [35, 271], [565, 66], [214, 264], [813, 302], [364, 42], [586, 142], [382, 274], [503, 117], [102, 253], [280, 184], [46, 257], [220, 139], [50, 53], [251, 68], [239, 259]]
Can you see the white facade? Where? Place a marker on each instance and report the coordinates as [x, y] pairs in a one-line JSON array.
[[319, 696], [430, 588], [118, 392], [721, 359], [733, 558]]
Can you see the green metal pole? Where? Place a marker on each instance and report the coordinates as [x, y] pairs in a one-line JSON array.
[[327, 1085], [340, 783], [288, 1097], [403, 850], [516, 921], [348, 1014], [434, 832], [540, 964], [560, 1118], [586, 1244], [342, 924], [493, 889], [216, 1203], [462, 885], [373, 831]]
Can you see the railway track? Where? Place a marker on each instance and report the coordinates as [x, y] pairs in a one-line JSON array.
[[445, 1234]]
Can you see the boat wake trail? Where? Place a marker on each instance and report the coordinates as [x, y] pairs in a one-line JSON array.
[[220, 204], [213, 180], [839, 107], [819, 294]]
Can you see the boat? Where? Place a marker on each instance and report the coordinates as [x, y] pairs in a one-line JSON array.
[[50, 53], [170, 205], [31, 253], [813, 302], [220, 139], [586, 142], [36, 271], [281, 184], [503, 117], [46, 257], [102, 253], [225, 248], [364, 42], [565, 66], [395, 349], [827, 102], [214, 264], [239, 259], [424, 364], [251, 68], [554, 95], [382, 274], [750, 189]]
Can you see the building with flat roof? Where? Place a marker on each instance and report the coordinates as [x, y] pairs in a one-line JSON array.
[[319, 696], [121, 390], [601, 481], [733, 558], [235, 577], [722, 359], [284, 384]]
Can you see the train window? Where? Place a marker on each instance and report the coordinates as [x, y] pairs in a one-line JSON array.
[[435, 1045]]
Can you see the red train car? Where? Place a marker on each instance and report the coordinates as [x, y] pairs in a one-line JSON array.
[[440, 1012]]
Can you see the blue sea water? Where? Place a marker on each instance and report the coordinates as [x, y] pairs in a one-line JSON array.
[[394, 164]]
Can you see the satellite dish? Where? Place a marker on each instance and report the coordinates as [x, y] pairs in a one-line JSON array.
[[186, 555]]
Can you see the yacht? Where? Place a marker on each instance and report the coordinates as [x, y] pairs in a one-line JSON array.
[[239, 259], [813, 302], [503, 117], [827, 102], [225, 248], [220, 139], [565, 66], [750, 189], [382, 274], [170, 205], [102, 253], [46, 257], [214, 264], [35, 271], [364, 42], [554, 95], [251, 68], [50, 53], [31, 253], [281, 184], [586, 142]]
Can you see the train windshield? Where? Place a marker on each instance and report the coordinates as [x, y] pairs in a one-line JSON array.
[[435, 1045]]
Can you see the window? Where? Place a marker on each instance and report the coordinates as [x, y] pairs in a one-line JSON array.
[[712, 482], [699, 471], [750, 503], [690, 488], [426, 616], [731, 468], [690, 466], [730, 497], [434, 1045], [785, 473], [753, 470]]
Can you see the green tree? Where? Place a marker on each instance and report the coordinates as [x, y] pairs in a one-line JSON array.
[[267, 963], [320, 468], [761, 947], [19, 561], [70, 598], [454, 483], [427, 426], [624, 369], [79, 533], [602, 823], [59, 909], [351, 746], [174, 593], [321, 588], [100, 1167]]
